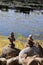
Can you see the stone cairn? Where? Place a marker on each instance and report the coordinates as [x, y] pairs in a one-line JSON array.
[[13, 56], [10, 50]]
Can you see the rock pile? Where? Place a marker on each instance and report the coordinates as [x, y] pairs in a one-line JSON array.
[[27, 61], [10, 50], [32, 55]]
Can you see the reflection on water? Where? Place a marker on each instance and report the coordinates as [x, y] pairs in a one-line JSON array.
[[21, 23]]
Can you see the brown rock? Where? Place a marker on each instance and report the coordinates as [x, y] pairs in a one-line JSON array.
[[42, 62], [13, 61], [3, 61], [34, 62]]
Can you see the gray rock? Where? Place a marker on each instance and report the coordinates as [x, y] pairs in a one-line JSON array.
[[29, 51], [9, 52]]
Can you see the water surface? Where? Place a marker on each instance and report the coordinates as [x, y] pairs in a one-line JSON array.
[[21, 23]]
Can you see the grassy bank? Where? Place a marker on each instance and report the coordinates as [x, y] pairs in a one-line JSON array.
[[18, 44], [4, 41]]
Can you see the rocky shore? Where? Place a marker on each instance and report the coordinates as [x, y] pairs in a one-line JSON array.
[[19, 5]]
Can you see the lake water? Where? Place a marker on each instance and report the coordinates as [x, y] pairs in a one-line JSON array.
[[21, 24]]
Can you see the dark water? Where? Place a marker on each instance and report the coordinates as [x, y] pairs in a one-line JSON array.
[[21, 23]]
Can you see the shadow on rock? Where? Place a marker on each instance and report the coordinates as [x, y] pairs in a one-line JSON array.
[[9, 52]]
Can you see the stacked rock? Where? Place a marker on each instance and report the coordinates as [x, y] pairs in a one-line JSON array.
[[10, 50]]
